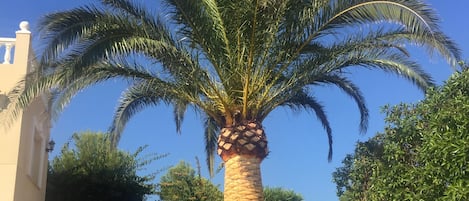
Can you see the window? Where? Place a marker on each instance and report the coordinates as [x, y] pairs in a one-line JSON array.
[[36, 166]]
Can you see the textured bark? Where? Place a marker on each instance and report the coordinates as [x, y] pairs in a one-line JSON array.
[[243, 180], [243, 139], [243, 147]]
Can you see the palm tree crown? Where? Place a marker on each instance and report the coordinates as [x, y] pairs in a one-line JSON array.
[[233, 61]]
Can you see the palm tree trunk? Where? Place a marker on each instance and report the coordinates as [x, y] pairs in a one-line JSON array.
[[243, 180], [243, 147]]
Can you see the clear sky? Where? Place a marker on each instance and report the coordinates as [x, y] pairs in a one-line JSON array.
[[298, 144]]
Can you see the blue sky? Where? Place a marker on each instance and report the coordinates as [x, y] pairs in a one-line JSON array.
[[298, 144]]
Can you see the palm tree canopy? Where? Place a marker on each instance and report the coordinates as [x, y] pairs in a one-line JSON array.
[[231, 60]]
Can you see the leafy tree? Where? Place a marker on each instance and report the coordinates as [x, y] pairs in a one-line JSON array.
[[232, 61], [422, 155], [354, 178], [181, 184], [92, 170], [280, 194]]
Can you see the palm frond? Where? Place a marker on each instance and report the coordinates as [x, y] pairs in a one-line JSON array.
[[135, 99], [101, 72], [24, 93], [204, 27], [56, 27], [371, 51], [416, 17], [354, 92], [130, 8], [302, 100], [210, 136], [179, 111]]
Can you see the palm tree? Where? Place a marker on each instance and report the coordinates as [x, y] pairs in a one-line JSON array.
[[232, 61]]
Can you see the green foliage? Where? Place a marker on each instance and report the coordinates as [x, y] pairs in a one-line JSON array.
[[232, 61], [182, 184], [93, 170], [280, 194], [359, 169], [422, 154]]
